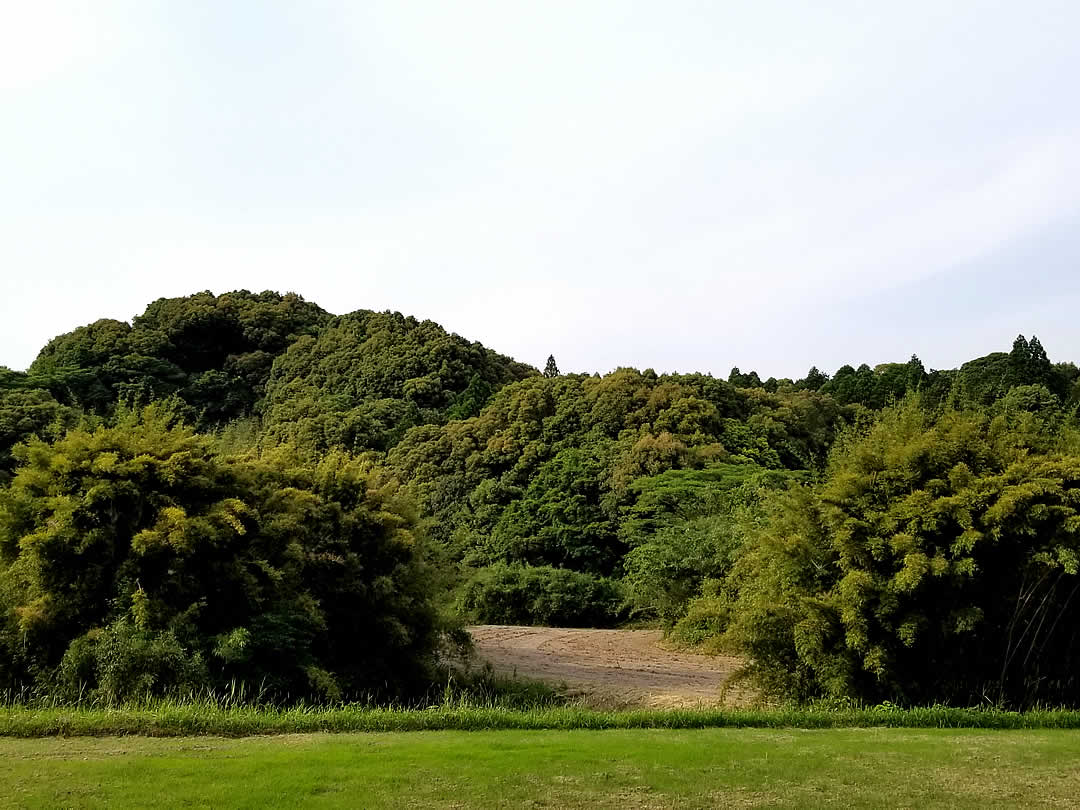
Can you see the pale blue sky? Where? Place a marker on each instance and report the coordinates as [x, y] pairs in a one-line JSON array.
[[681, 185]]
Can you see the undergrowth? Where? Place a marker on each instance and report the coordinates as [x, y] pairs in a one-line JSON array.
[[462, 702]]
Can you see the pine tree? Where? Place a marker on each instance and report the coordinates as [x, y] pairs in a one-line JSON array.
[[1019, 366], [1020, 356], [1039, 368], [916, 373], [551, 370], [1028, 363]]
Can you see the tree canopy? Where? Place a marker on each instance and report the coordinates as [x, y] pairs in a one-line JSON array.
[[246, 487], [214, 352], [369, 376]]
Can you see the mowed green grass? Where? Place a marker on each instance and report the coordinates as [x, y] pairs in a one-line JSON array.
[[851, 768]]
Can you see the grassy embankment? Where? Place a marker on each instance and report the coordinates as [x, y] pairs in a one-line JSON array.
[[852, 768]]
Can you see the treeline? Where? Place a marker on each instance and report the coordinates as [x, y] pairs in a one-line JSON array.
[[246, 487]]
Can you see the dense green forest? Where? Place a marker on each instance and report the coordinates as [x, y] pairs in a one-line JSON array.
[[245, 487]]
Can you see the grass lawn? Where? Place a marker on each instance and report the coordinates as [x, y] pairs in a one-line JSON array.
[[618, 768]]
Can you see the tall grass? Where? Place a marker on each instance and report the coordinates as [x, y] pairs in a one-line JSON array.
[[174, 718], [463, 702]]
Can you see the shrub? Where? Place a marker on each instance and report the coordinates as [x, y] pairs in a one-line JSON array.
[[688, 529], [704, 618], [124, 663], [542, 595], [666, 572]]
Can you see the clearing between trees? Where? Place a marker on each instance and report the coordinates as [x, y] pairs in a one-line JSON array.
[[610, 667]]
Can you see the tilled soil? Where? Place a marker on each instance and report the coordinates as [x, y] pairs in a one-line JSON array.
[[610, 667]]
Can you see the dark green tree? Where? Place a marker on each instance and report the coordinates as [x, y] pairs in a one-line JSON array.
[[214, 352], [740, 380], [813, 380], [1040, 370], [370, 376], [916, 373]]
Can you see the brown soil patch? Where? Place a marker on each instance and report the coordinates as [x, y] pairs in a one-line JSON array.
[[610, 667]]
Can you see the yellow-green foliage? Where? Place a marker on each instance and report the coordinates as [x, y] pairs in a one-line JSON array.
[[938, 561], [137, 558]]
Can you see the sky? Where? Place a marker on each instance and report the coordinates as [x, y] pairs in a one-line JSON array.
[[686, 186]]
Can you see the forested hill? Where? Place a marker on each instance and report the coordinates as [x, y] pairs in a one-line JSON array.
[[484, 441], [361, 381], [541, 497]]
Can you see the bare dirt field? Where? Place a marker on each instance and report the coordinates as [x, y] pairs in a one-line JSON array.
[[610, 667]]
